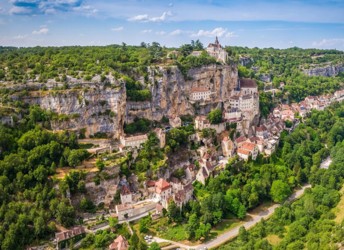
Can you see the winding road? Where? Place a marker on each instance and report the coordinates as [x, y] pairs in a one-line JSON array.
[[255, 218]]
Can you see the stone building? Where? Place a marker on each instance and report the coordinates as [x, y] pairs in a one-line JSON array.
[[200, 93], [216, 50], [133, 141]]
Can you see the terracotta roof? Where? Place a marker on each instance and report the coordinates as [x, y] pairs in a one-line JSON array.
[[240, 139], [150, 183], [199, 89], [120, 243], [243, 151], [247, 83], [123, 207], [125, 190], [248, 146], [261, 128], [69, 233], [161, 185]]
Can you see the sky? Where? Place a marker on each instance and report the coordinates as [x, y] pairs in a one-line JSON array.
[[260, 23]]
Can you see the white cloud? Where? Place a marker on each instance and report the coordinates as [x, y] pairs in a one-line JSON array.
[[161, 33], [211, 33], [176, 32], [146, 31], [41, 31], [118, 29], [19, 10], [20, 37], [230, 35], [326, 43], [146, 18]]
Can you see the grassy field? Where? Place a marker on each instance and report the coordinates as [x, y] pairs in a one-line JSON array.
[[339, 209], [273, 239]]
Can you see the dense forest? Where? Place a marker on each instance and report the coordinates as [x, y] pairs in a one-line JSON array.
[[286, 65], [31, 204]]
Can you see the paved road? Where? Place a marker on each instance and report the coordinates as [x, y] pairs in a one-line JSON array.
[[255, 218]]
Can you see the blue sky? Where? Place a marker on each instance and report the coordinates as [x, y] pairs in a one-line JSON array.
[[261, 23]]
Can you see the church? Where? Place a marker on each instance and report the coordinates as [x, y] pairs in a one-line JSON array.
[[216, 50]]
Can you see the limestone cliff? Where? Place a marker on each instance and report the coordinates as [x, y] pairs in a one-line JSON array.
[[329, 70], [171, 91], [95, 109], [103, 107]]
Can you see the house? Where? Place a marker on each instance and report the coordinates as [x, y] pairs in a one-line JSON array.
[[62, 239], [239, 141], [190, 172], [248, 86], [200, 93], [181, 197], [262, 132], [163, 191], [175, 122], [201, 122], [161, 136], [120, 243], [227, 147], [133, 141], [124, 211], [248, 149], [202, 175], [126, 195], [158, 211], [271, 146], [215, 50], [287, 115], [233, 115], [259, 142]]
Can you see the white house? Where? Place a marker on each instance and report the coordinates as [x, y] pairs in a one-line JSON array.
[[133, 141], [248, 149], [200, 93]]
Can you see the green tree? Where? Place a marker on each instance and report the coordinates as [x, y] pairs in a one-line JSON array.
[[279, 191], [154, 246], [215, 116]]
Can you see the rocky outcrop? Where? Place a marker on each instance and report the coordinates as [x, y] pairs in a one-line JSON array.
[[96, 109], [329, 70], [103, 108], [171, 91]]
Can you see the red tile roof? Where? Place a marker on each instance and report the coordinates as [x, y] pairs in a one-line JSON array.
[[161, 185], [120, 243]]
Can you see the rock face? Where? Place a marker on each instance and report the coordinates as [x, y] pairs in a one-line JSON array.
[[103, 108], [171, 91], [96, 109], [330, 70]]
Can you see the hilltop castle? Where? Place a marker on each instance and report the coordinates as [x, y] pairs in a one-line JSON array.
[[216, 50]]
